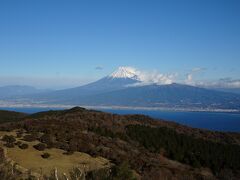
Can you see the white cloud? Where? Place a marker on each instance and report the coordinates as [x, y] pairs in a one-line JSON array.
[[190, 76], [157, 78], [154, 77], [220, 83], [227, 83]]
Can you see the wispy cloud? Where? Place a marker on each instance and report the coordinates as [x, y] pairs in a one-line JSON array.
[[198, 69], [227, 83], [218, 83], [99, 68]]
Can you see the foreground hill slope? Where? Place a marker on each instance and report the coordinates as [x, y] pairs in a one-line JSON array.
[[153, 149], [10, 116]]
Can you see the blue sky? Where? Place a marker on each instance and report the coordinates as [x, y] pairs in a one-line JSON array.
[[59, 44]]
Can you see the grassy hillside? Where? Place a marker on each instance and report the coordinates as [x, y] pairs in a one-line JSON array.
[[134, 144]]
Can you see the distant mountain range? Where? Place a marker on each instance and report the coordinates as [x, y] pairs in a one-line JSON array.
[[169, 96], [7, 92], [229, 90], [124, 88]]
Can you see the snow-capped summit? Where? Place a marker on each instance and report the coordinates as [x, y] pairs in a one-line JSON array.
[[126, 73]]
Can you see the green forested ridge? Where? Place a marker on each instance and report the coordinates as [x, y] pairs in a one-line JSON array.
[[186, 149], [10, 116]]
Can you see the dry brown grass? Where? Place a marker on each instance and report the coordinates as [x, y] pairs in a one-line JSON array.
[[31, 159]]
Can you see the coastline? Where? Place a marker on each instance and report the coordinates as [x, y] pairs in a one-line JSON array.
[[61, 106]]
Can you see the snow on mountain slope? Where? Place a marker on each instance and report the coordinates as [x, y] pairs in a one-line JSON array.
[[142, 77], [125, 72]]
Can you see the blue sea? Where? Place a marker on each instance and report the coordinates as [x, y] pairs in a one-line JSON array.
[[229, 122]]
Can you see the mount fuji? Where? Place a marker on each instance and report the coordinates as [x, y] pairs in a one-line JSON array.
[[121, 89], [122, 78]]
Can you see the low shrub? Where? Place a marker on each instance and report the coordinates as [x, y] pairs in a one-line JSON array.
[[47, 138], [40, 147], [29, 138], [101, 174], [18, 143], [9, 139], [45, 155], [19, 135], [23, 146], [123, 171], [117, 172], [9, 145], [68, 153]]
